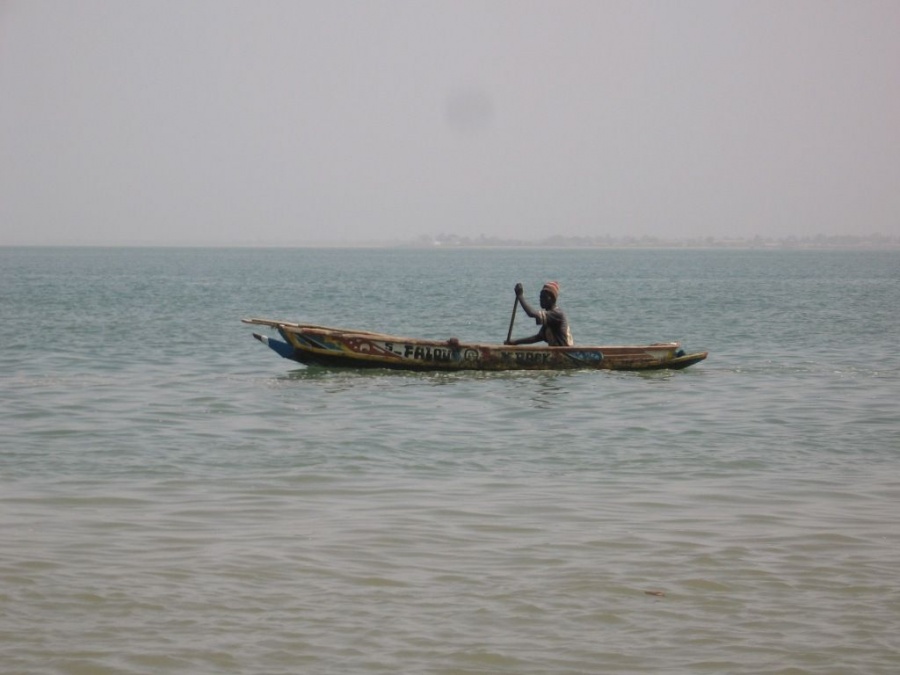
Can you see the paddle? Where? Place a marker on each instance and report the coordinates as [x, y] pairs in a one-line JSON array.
[[512, 319]]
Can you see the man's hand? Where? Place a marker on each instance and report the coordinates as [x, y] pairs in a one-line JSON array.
[[519, 290]]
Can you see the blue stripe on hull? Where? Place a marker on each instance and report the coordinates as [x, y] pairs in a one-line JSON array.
[[277, 346]]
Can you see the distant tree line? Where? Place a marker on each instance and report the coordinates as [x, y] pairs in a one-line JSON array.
[[819, 241]]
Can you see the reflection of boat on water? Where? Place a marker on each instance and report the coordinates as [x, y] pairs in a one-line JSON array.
[[338, 347]]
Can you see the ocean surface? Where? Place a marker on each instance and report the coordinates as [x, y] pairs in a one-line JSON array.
[[176, 498]]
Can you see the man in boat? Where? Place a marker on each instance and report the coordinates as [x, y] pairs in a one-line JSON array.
[[551, 318]]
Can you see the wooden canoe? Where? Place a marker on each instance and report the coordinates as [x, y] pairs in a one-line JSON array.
[[343, 348]]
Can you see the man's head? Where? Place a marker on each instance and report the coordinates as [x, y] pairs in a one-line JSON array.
[[549, 295]]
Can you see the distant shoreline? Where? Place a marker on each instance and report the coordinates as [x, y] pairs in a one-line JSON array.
[[818, 242], [450, 242]]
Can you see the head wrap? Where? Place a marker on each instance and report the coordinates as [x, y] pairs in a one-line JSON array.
[[552, 287]]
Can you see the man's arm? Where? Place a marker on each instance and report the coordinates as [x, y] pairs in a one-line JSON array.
[[537, 337], [529, 310], [525, 341]]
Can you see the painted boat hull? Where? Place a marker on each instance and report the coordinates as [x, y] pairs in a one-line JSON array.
[[342, 348]]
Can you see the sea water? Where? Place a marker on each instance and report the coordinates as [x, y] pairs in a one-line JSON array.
[[176, 498]]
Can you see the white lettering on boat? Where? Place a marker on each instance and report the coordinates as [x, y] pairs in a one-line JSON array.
[[431, 353], [526, 358]]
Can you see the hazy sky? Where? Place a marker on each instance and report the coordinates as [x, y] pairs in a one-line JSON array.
[[216, 122]]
